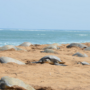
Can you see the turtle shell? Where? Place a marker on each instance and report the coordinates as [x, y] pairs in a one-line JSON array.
[[51, 47], [6, 82], [52, 58], [7, 47], [87, 49], [76, 45], [48, 51], [8, 60], [26, 44], [80, 55]]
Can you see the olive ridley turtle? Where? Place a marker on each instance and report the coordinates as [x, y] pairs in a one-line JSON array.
[[8, 47], [80, 55], [26, 44], [52, 47], [8, 60], [83, 63], [51, 60], [8, 83], [49, 51], [87, 49], [76, 45]]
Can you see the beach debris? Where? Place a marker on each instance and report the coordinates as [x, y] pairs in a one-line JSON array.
[[76, 45], [26, 44], [88, 49], [79, 55], [83, 63], [9, 83], [8, 60], [9, 47], [52, 47], [51, 59], [49, 51]]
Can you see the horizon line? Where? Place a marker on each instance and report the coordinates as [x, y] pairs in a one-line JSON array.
[[34, 29]]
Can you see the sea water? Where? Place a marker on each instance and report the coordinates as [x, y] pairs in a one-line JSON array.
[[16, 37]]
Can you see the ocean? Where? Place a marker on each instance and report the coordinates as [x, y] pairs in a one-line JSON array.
[[16, 37]]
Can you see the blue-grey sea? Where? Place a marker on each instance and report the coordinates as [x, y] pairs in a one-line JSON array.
[[16, 37]]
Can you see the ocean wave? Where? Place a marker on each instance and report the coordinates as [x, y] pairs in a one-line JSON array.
[[41, 34], [41, 43], [31, 30], [82, 34]]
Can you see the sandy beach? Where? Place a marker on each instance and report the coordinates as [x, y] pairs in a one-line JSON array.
[[44, 44], [46, 76]]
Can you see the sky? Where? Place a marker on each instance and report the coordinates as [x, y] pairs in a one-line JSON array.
[[45, 14]]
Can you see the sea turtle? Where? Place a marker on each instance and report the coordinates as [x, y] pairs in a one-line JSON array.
[[8, 60], [76, 45], [20, 49], [8, 47], [51, 60], [80, 55], [36, 44], [83, 63], [52, 47], [26, 44], [8, 83], [87, 49], [49, 51]]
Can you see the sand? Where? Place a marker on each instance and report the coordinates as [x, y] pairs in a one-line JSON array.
[[45, 76]]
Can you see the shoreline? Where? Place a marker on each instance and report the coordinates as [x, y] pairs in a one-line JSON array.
[[48, 43]]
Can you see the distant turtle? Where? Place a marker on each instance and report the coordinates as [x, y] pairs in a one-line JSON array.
[[49, 51], [83, 63], [8, 60], [8, 83], [26, 44], [8, 47], [51, 60], [52, 47], [20, 49], [80, 55], [76, 45], [36, 44], [87, 49]]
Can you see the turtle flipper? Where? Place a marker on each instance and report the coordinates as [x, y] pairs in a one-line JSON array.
[[60, 64], [36, 62]]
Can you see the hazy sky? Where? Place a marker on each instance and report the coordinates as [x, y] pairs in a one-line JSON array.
[[45, 14]]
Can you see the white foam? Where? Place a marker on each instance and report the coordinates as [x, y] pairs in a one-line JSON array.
[[41, 34], [82, 34]]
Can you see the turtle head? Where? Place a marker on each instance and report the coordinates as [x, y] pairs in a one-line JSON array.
[[2, 84], [48, 61]]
